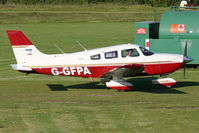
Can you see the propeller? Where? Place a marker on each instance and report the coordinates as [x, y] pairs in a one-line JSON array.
[[185, 55], [186, 59]]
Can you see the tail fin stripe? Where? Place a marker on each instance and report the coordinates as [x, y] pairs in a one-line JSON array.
[[18, 38]]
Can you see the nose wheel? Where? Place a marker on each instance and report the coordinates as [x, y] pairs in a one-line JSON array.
[[167, 82]]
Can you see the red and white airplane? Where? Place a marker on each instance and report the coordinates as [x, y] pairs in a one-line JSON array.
[[110, 64]]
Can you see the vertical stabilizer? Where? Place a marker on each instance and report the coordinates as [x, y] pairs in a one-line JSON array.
[[24, 50]]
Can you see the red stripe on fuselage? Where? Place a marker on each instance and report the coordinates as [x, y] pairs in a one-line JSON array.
[[94, 71], [154, 69], [98, 71]]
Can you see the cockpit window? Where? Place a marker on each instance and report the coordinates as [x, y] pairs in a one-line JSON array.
[[95, 57], [111, 54], [146, 52], [130, 53]]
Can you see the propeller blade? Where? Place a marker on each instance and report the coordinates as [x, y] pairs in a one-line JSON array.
[[185, 56], [184, 70], [185, 50], [186, 59]]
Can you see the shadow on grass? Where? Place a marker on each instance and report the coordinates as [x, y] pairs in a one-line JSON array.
[[186, 83], [92, 85], [158, 89], [140, 85], [145, 85], [57, 87]]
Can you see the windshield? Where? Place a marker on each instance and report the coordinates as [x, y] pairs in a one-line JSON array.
[[146, 52]]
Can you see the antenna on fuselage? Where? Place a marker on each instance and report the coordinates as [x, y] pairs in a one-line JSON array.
[[59, 48], [81, 45]]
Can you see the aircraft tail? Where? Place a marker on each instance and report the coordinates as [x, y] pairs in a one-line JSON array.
[[24, 50]]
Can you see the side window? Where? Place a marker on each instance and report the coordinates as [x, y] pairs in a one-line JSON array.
[[95, 57], [146, 52], [130, 53], [112, 54]]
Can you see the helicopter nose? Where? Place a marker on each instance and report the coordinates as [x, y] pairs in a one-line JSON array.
[[187, 59]]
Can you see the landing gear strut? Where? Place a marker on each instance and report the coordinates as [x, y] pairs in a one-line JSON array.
[[163, 75]]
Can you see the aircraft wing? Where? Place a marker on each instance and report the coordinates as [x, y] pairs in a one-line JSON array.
[[123, 71]]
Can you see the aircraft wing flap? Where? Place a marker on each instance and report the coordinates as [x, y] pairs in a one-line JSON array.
[[126, 70]]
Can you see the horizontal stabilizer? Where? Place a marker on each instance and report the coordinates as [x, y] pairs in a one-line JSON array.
[[18, 38], [20, 68]]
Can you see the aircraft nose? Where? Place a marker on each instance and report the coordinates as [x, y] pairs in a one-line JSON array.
[[187, 59]]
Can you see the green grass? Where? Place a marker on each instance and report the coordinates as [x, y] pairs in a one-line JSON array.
[[53, 104], [18, 14]]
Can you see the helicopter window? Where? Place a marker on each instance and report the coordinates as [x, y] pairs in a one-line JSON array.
[[95, 57], [146, 52], [130, 53], [112, 54]]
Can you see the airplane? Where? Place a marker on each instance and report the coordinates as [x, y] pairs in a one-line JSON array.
[[111, 63]]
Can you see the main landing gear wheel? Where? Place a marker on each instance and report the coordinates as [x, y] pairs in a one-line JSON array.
[[119, 84]]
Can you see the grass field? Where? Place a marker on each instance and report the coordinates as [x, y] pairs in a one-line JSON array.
[[50, 104]]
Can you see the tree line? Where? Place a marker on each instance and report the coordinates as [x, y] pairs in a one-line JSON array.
[[81, 2]]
